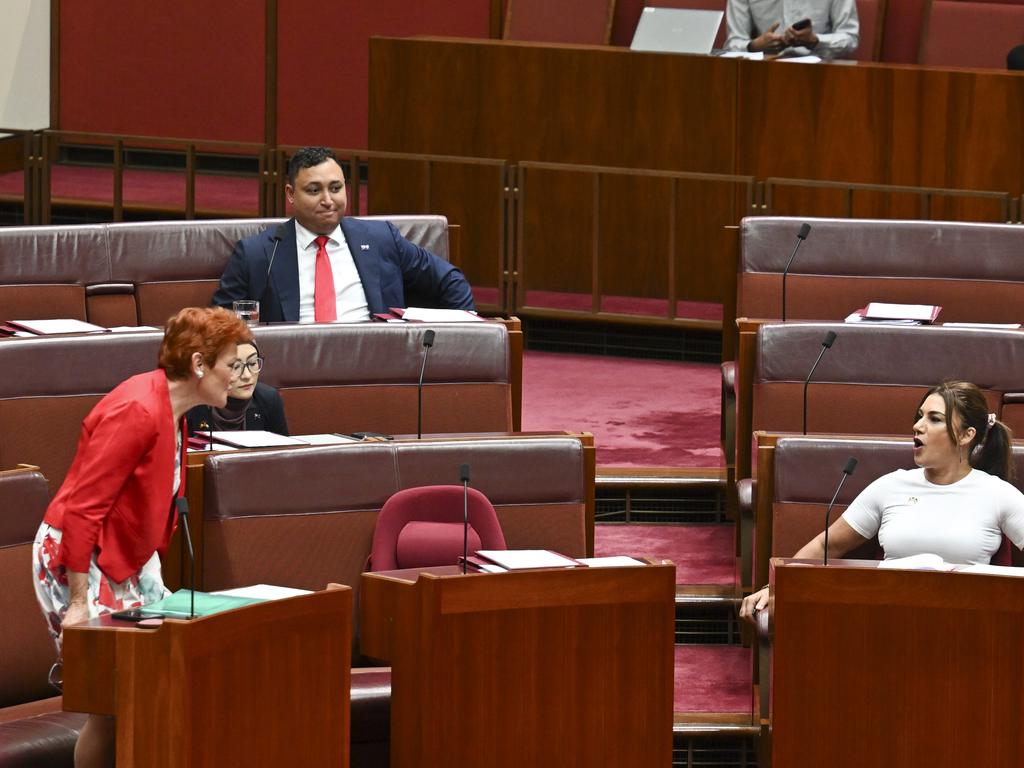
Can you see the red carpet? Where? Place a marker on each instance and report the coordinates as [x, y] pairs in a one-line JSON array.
[[703, 554], [713, 678], [643, 413]]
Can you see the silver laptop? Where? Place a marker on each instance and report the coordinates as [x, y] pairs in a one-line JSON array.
[[676, 30]]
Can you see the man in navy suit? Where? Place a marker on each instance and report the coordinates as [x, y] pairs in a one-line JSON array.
[[295, 269]]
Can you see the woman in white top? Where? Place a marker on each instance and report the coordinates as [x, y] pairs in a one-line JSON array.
[[957, 504]]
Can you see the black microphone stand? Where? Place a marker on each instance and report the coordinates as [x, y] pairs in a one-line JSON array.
[[428, 342], [826, 344], [851, 464], [186, 540], [464, 479], [805, 230]]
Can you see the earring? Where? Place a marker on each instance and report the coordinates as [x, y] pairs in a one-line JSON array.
[[199, 373]]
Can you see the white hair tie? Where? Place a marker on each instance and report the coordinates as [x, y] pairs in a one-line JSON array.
[[991, 419]]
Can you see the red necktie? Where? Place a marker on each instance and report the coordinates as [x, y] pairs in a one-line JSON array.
[[325, 305]]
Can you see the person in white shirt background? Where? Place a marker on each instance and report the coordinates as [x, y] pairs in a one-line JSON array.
[[773, 26]]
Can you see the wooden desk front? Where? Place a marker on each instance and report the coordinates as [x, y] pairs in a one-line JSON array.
[[549, 667], [891, 668], [263, 686]]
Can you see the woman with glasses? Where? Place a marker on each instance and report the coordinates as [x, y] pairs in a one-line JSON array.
[[97, 550], [250, 405]]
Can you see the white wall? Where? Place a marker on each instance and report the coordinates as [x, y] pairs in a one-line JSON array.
[[25, 64]]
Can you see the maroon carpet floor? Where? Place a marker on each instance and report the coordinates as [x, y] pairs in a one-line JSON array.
[[643, 413], [713, 678], [703, 554]]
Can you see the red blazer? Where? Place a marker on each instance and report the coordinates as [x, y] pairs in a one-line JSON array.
[[117, 495]]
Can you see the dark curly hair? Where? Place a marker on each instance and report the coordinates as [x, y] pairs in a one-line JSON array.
[[308, 157]]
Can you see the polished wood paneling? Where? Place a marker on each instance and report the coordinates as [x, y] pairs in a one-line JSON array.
[[569, 104], [550, 667], [882, 124], [887, 667], [264, 685]]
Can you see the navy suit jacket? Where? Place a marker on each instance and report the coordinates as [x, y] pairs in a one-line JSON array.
[[393, 271]]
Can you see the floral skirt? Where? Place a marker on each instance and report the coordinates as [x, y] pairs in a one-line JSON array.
[[105, 595]]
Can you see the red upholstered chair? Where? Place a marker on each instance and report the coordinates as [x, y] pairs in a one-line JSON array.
[[421, 527], [975, 35], [587, 22], [872, 23]]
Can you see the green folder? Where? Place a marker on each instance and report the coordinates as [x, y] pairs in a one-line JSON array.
[[177, 606]]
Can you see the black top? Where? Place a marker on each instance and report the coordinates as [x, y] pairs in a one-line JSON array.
[[265, 410]]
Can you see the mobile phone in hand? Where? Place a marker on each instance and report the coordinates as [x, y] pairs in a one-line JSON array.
[[802, 24]]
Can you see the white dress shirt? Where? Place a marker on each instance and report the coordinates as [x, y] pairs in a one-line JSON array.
[[835, 23], [350, 298]]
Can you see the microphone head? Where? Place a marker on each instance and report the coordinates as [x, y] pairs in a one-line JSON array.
[[278, 233], [464, 473], [428, 338], [830, 337], [805, 230], [851, 464]]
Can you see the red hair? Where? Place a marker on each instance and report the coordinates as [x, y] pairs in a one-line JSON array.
[[204, 330]]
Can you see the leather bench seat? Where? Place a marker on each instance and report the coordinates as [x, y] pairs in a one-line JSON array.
[[39, 741], [973, 271], [137, 273], [333, 378]]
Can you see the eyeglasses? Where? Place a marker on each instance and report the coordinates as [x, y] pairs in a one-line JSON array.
[[254, 366]]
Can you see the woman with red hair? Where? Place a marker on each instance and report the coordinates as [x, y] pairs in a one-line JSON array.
[[97, 550]]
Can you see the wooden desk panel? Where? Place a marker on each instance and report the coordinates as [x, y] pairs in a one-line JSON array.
[[886, 667], [565, 104], [882, 124], [548, 667]]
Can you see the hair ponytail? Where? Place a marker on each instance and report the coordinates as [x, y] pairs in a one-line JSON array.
[[995, 452]]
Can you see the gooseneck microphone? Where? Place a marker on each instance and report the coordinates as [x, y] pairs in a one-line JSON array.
[[182, 504], [826, 344], [428, 342], [805, 230], [276, 237], [464, 479], [851, 464]]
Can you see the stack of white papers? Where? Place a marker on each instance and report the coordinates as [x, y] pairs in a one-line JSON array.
[[522, 559], [424, 315]]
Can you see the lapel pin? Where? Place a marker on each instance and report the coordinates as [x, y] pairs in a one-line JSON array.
[[365, 246]]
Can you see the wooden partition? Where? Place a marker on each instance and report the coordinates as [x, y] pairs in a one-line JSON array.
[[625, 244], [890, 667]]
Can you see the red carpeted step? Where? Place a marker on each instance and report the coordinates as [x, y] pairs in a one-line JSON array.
[[643, 413], [703, 554], [713, 678]]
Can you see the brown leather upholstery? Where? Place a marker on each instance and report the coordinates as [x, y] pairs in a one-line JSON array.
[[973, 271], [33, 730], [333, 378], [137, 273], [873, 377], [806, 473], [305, 517]]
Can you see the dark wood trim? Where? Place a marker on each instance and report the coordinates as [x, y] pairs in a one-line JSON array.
[[270, 75], [495, 20], [54, 63]]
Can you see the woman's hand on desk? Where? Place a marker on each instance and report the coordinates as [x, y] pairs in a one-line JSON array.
[[753, 603], [76, 613]]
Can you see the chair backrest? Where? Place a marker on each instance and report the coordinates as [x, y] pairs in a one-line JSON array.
[[398, 542], [587, 22], [871, 14], [332, 378], [873, 377], [802, 474], [978, 35], [26, 651], [973, 271], [306, 517], [697, 5], [138, 273]]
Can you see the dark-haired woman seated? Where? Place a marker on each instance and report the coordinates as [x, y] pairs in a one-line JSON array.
[[957, 504], [250, 405]]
